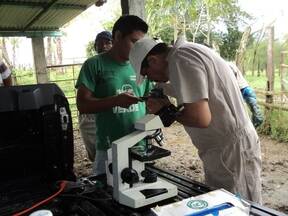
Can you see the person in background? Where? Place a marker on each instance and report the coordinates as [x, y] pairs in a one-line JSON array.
[[213, 111], [5, 75], [106, 86], [103, 42], [248, 95], [247, 92], [87, 125]]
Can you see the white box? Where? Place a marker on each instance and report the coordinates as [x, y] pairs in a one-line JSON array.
[[219, 202]]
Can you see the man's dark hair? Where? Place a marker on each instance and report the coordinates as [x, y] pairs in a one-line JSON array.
[[158, 49], [127, 24]]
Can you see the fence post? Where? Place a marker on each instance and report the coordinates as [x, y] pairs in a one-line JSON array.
[[270, 81], [282, 71]]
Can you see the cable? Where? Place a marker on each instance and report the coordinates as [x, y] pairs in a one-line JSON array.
[[62, 187]]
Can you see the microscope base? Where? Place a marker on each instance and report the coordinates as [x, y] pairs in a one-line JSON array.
[[143, 194]]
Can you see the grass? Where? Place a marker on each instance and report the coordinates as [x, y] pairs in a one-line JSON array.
[[65, 78], [275, 124], [260, 82]]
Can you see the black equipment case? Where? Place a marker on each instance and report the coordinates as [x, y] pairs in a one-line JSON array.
[[36, 135]]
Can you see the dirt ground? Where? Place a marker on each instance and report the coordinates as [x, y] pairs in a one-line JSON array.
[[184, 160]]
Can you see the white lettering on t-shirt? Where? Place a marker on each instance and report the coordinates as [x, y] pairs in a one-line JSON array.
[[132, 108]]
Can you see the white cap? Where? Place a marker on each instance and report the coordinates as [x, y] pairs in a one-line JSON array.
[[137, 54]]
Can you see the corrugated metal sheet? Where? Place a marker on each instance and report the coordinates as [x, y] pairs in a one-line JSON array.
[[55, 18], [13, 17], [38, 15]]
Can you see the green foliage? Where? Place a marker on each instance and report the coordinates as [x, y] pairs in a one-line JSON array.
[[277, 127], [259, 82], [64, 77], [197, 20], [276, 120], [24, 77], [230, 43], [108, 26], [166, 36], [260, 61], [90, 51]]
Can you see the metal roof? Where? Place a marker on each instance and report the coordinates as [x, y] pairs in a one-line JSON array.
[[38, 17]]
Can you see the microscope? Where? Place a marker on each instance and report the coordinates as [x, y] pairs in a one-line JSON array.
[[134, 186]]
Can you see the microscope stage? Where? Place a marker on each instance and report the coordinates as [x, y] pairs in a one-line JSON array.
[[152, 154]]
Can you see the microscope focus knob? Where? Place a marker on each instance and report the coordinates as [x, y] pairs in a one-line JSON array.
[[129, 176], [149, 177]]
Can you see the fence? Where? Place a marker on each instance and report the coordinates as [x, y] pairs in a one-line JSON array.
[[275, 114], [66, 75]]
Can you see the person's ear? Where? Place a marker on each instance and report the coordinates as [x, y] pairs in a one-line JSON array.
[[152, 60], [118, 36]]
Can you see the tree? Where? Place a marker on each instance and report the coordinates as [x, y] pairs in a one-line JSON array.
[[169, 16], [90, 51], [5, 53], [15, 44], [49, 51], [199, 17], [58, 43], [230, 42]]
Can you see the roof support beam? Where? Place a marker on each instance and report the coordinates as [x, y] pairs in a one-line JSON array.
[[43, 5], [30, 34], [40, 14], [125, 7], [39, 60], [134, 7], [14, 29]]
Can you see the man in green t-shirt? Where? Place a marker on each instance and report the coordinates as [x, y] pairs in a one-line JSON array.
[[107, 87], [87, 126]]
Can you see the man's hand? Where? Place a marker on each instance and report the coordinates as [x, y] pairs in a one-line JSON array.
[[126, 99], [87, 103], [155, 104]]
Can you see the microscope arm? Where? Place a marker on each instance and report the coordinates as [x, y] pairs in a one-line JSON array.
[[120, 155]]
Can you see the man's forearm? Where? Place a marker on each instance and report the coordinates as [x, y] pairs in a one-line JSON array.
[[191, 121], [94, 105], [195, 115]]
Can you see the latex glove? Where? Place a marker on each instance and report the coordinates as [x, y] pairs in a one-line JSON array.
[[257, 119], [251, 100]]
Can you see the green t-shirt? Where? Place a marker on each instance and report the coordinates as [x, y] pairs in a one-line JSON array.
[[105, 77]]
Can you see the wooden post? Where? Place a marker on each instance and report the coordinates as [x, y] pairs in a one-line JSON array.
[[270, 77], [39, 60], [282, 68], [239, 58], [270, 61], [125, 6], [134, 7]]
